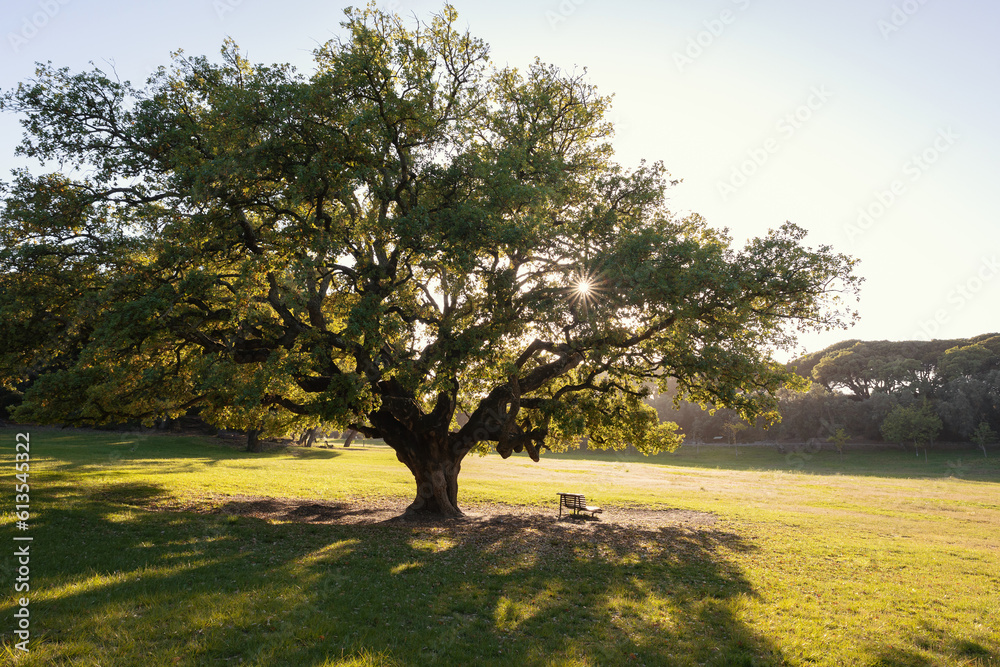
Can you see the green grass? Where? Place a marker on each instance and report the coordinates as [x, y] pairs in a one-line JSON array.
[[876, 559], [947, 460]]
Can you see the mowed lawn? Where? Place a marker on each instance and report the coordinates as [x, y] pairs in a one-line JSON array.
[[797, 558]]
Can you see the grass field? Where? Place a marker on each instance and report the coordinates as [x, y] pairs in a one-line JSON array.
[[799, 558]]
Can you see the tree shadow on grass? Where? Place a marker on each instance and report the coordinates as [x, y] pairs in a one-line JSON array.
[[86, 451], [126, 493], [314, 452], [966, 648], [290, 510], [929, 647], [122, 585], [592, 593]]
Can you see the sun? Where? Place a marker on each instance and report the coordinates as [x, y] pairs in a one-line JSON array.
[[583, 288]]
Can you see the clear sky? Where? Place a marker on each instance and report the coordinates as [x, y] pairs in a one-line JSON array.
[[871, 123]]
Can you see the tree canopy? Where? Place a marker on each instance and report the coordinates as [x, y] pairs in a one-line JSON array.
[[408, 242]]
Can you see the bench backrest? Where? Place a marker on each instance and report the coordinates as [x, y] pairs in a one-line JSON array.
[[574, 502]]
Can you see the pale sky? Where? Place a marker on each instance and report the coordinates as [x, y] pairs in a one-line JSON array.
[[769, 110]]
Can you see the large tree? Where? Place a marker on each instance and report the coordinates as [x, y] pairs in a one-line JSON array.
[[402, 237]]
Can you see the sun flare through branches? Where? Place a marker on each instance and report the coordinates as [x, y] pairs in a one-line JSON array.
[[584, 289]]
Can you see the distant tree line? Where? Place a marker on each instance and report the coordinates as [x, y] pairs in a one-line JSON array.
[[911, 392]]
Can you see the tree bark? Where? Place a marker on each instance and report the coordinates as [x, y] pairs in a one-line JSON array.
[[435, 470], [254, 443], [308, 437]]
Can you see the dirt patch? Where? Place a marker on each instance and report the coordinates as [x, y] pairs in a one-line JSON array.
[[506, 535], [377, 511]]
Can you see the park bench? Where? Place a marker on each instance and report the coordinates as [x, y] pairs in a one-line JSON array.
[[577, 503]]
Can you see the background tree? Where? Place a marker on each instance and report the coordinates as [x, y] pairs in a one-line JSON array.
[[959, 378], [984, 435], [919, 425], [402, 236], [802, 413], [848, 369], [969, 360], [874, 367], [733, 427], [839, 438]]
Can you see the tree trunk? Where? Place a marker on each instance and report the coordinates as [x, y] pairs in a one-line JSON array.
[[435, 470], [308, 437], [254, 443], [424, 444], [348, 436]]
